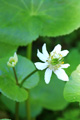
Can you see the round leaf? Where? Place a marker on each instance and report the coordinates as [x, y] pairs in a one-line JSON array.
[[9, 89], [23, 21], [6, 50], [72, 87], [23, 69], [8, 85]]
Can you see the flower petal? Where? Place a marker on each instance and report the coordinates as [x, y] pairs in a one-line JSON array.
[[61, 74], [65, 65], [48, 74], [15, 57], [41, 66], [41, 56], [44, 50], [64, 53], [57, 49]]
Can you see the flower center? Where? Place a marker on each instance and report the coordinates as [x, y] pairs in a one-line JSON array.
[[55, 61], [12, 60]]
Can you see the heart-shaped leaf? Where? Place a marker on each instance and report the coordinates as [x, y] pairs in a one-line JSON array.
[[72, 87], [9, 89], [23, 69], [8, 85], [23, 21]]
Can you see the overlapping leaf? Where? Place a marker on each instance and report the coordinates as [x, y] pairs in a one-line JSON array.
[[73, 59], [8, 85], [22, 21], [6, 50], [72, 88]]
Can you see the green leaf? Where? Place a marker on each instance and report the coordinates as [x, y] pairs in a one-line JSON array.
[[5, 119], [23, 69], [6, 50], [23, 21], [70, 114], [8, 85], [73, 59], [9, 89], [35, 108], [49, 96], [72, 88]]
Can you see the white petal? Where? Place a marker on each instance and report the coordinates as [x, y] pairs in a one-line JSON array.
[[64, 53], [57, 49], [41, 56], [41, 66], [44, 50], [15, 57], [65, 65], [61, 74], [48, 74]]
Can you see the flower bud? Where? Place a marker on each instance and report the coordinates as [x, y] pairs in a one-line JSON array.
[[13, 60]]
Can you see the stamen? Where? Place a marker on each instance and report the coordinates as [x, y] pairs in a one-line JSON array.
[[62, 62]]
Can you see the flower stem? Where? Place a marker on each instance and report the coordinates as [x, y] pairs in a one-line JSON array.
[[29, 51], [28, 55], [17, 111], [28, 107], [15, 76], [17, 103]]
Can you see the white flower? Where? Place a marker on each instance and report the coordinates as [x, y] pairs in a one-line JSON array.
[[13, 60], [53, 62]]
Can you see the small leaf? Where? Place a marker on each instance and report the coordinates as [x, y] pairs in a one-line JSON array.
[[23, 69], [23, 21], [8, 85], [9, 89], [72, 87]]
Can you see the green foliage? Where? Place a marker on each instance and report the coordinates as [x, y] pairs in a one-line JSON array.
[[5, 119], [73, 59], [70, 115], [8, 85], [23, 68], [49, 96], [35, 108], [72, 88], [23, 21], [9, 88], [6, 50]]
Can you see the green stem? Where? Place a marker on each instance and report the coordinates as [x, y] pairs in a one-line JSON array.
[[28, 107], [33, 119], [29, 53], [15, 76], [17, 111], [17, 103]]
